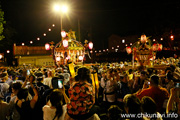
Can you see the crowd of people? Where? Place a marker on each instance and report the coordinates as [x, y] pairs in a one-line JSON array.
[[52, 93]]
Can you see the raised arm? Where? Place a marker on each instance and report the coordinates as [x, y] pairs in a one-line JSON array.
[[35, 98]]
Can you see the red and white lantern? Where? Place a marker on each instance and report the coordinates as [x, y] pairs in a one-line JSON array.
[[90, 45], [65, 43], [63, 34], [47, 46], [160, 47], [81, 57], [128, 49], [154, 47], [143, 39], [58, 58]]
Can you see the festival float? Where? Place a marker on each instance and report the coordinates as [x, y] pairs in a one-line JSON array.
[[68, 49], [143, 51]]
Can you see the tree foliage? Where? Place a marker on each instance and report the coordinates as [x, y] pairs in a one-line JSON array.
[[1, 24]]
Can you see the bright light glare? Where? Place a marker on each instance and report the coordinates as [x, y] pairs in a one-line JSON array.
[[56, 7], [64, 9]]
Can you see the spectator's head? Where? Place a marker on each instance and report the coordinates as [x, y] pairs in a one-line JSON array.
[[83, 74], [114, 113], [169, 75], [154, 80], [4, 76], [130, 71], [23, 94], [49, 73], [173, 67], [32, 78], [143, 75], [168, 69], [56, 99], [148, 105], [150, 71], [132, 104], [16, 87], [39, 76], [4, 89], [123, 78]]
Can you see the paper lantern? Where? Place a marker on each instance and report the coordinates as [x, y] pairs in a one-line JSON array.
[[47, 46], [1, 56], [128, 49], [172, 37], [90, 45], [63, 34], [58, 58], [154, 47], [65, 43], [134, 48], [143, 39], [80, 57], [160, 47]]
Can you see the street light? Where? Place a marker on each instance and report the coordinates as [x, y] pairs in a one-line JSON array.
[[62, 9], [8, 51]]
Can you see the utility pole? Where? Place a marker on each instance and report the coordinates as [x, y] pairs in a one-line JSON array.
[[79, 30]]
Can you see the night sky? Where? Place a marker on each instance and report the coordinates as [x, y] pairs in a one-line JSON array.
[[99, 19]]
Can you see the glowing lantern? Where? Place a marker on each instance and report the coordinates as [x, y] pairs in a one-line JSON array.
[[80, 57], [172, 37], [31, 42], [68, 57], [154, 47], [8, 51], [90, 45], [63, 34], [47, 46], [1, 56], [22, 44], [58, 58], [152, 58], [160, 47], [143, 38], [128, 49], [65, 43]]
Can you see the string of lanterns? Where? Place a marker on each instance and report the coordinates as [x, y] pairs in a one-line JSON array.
[[104, 50], [39, 38], [155, 47]]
